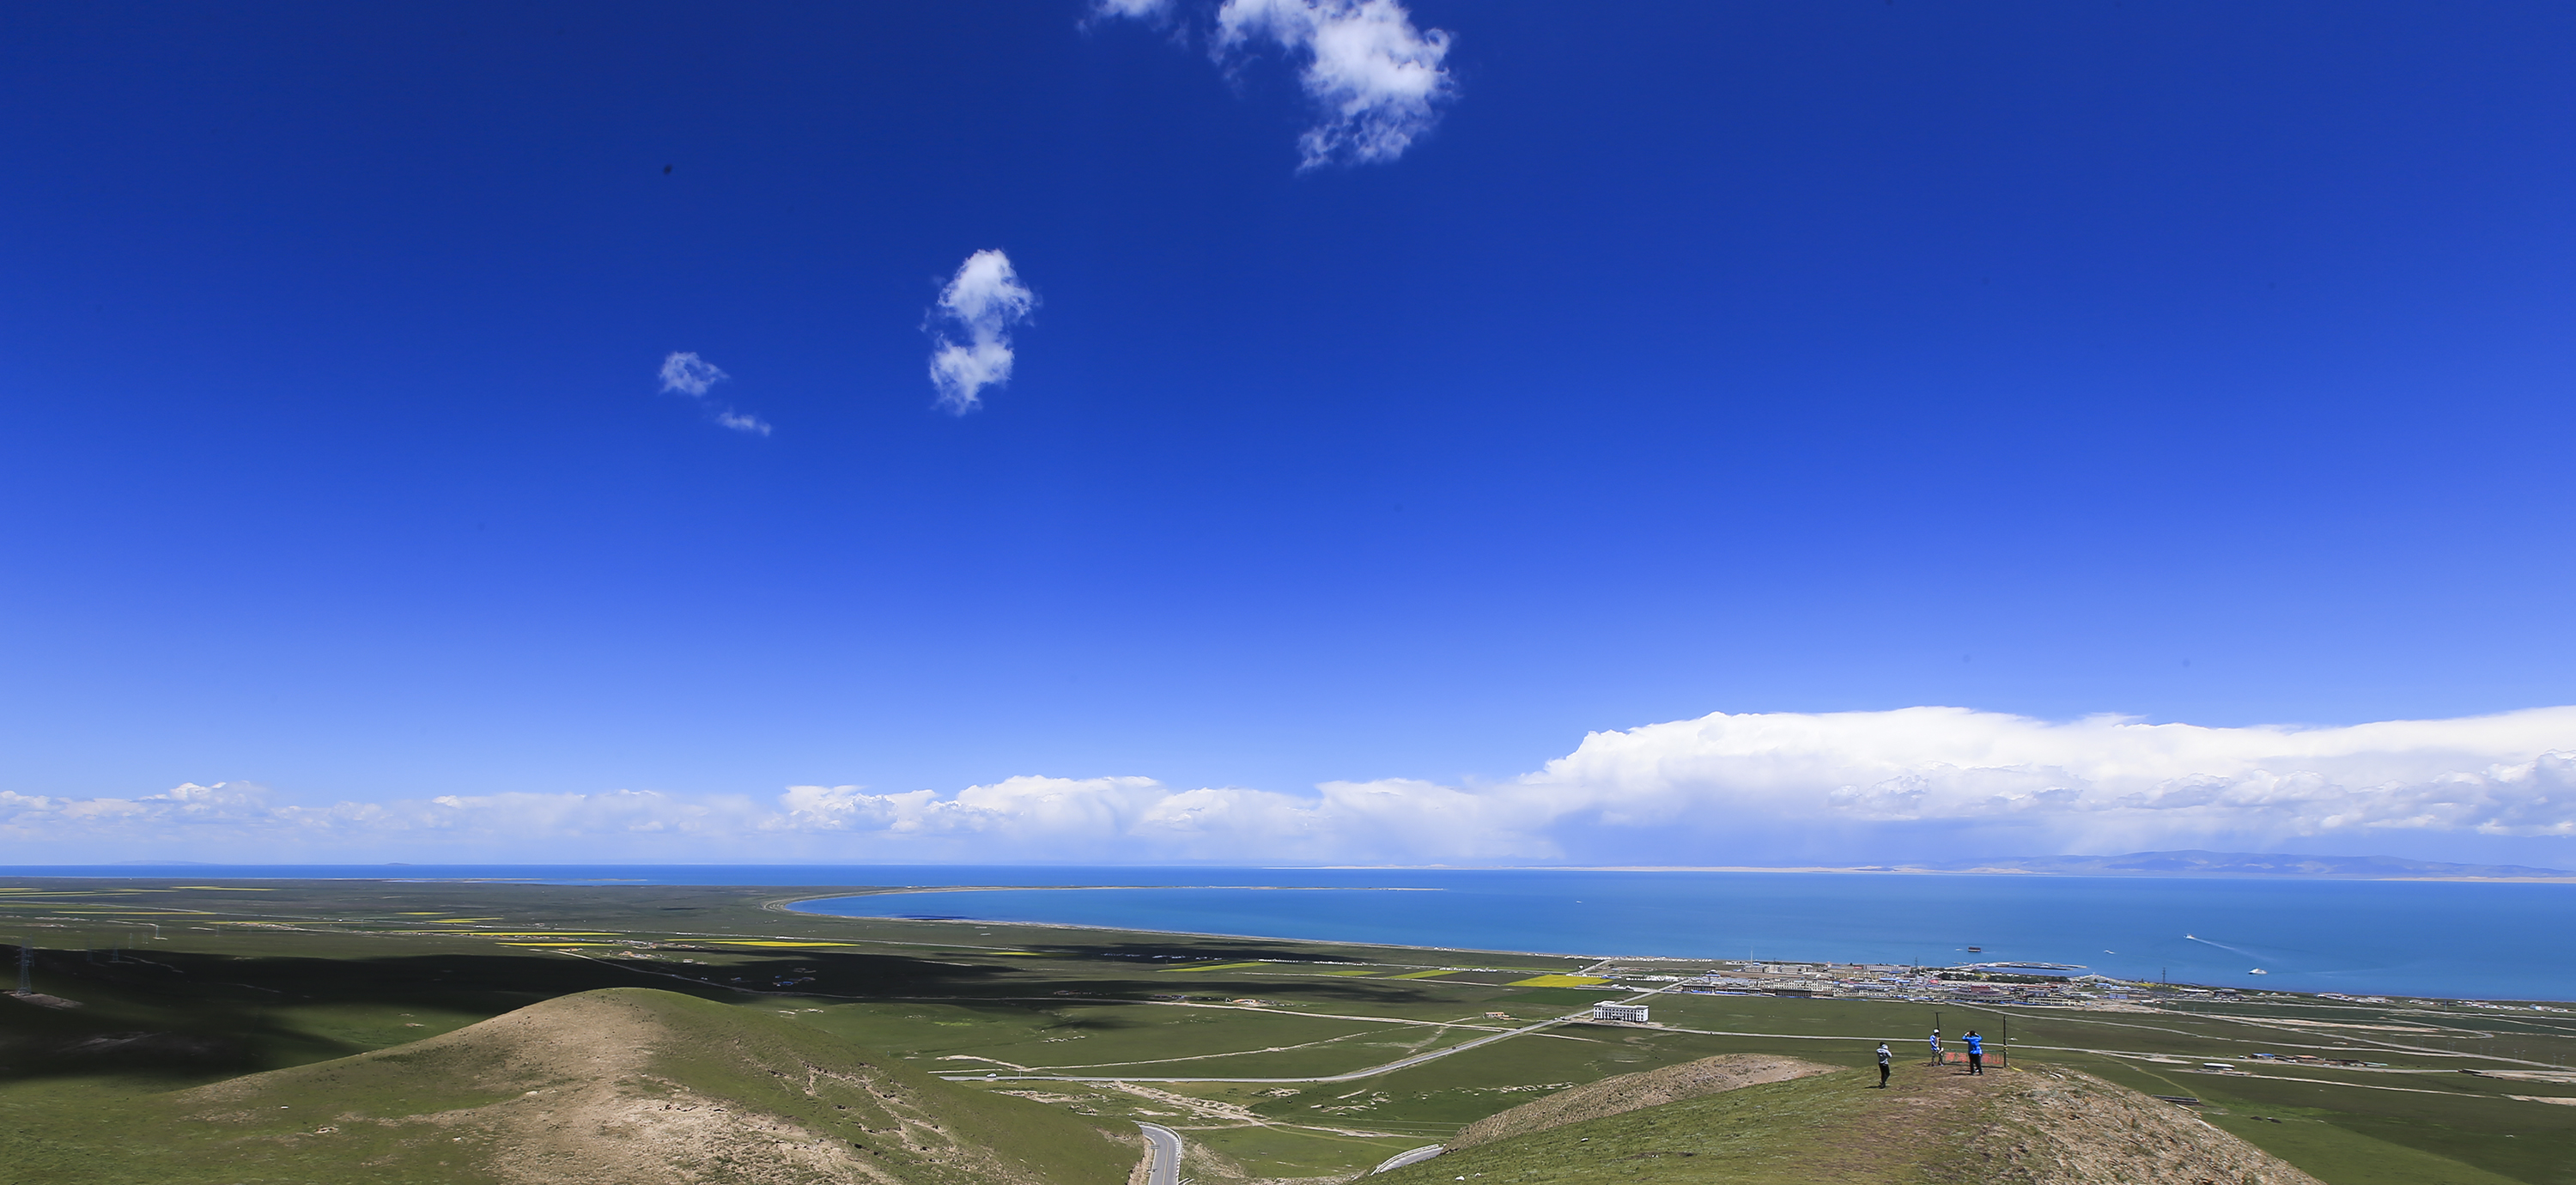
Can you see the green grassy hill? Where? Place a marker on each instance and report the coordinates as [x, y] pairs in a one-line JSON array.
[[1634, 1092], [622, 1086], [1935, 1126]]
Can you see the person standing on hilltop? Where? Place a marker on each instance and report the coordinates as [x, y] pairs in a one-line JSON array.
[[1885, 1059], [1976, 1053], [1936, 1046]]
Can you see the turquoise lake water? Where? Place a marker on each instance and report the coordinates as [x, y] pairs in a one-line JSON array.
[[2454, 940], [2491, 941]]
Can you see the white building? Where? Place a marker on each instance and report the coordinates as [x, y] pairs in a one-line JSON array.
[[1632, 1013]]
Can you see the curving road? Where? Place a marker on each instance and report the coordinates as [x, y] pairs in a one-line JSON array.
[[1401, 1159], [1162, 1154]]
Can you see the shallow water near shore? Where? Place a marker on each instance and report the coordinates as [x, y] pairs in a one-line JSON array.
[[2417, 938]]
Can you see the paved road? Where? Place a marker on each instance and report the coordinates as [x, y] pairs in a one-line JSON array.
[[1162, 1155], [1371, 1072], [1401, 1159]]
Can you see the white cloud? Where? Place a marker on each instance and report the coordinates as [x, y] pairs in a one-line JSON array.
[[1376, 80], [983, 301], [2096, 784], [743, 422], [1909, 784], [690, 375], [684, 373]]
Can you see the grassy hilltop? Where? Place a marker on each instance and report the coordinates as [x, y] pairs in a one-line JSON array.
[[1277, 1060], [617, 1086], [1752, 1120]]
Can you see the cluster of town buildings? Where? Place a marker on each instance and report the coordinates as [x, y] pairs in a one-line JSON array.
[[1989, 983], [1983, 982]]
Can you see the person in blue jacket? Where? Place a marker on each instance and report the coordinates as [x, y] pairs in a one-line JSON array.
[[1936, 1047], [1976, 1053]]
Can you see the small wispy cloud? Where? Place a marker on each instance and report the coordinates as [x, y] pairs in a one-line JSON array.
[[690, 375], [684, 373], [982, 301], [1377, 80]]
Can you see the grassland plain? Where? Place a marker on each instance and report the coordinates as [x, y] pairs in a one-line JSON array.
[[182, 984]]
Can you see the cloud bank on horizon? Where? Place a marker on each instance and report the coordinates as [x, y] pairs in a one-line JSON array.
[[1905, 784]]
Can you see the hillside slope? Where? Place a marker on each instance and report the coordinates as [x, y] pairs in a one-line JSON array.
[[2038, 1126], [1632, 1092], [629, 1086], [2052, 1126]]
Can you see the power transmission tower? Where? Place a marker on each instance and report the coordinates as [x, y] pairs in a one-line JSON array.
[[26, 968]]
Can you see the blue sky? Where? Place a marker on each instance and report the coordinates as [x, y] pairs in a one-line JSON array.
[[2199, 364]]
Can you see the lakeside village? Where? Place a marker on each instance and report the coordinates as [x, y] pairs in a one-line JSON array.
[[2056, 984], [1989, 983], [2045, 985]]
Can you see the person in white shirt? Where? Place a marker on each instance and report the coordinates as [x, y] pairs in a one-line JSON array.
[[1885, 1060]]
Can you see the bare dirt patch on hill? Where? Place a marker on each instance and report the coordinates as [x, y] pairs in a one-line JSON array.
[[2062, 1127]]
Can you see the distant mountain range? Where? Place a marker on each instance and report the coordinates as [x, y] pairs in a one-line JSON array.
[[2250, 864]]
